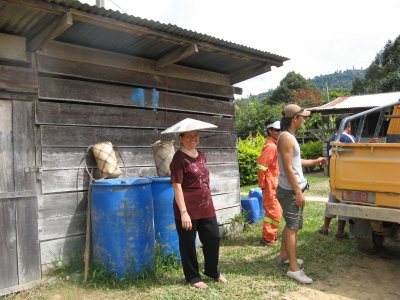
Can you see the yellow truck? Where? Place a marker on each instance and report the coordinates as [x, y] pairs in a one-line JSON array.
[[365, 177]]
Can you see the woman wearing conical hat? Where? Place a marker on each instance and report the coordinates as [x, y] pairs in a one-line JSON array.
[[193, 206]]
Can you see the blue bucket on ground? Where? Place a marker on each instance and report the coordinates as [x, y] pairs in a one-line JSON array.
[[123, 225], [164, 220], [257, 193], [252, 209]]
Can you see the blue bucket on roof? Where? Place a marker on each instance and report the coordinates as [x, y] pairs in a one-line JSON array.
[[257, 193], [252, 209], [164, 220], [123, 225]]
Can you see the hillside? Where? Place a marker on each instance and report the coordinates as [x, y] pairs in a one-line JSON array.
[[339, 79]]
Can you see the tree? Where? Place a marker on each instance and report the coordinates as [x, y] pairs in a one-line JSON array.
[[306, 97], [295, 88], [251, 115], [358, 86], [282, 94], [337, 92], [383, 75]]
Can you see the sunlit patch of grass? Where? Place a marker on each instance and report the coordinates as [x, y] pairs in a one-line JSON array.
[[319, 185]]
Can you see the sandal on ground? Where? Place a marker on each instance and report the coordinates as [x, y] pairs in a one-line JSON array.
[[199, 285], [342, 236], [221, 279], [299, 261], [300, 276], [267, 243], [323, 231]]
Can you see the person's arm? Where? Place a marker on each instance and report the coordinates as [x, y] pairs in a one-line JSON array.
[[313, 162], [285, 148], [180, 201]]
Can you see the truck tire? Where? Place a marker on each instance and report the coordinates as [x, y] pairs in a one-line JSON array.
[[377, 241], [368, 241], [372, 245]]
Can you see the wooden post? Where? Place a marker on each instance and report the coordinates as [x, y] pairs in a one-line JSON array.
[[86, 255]]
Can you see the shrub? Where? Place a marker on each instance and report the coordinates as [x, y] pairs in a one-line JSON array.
[[248, 151], [311, 150]]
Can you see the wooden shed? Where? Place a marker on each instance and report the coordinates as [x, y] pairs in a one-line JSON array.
[[72, 75]]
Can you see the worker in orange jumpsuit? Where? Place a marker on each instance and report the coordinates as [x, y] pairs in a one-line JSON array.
[[268, 173]]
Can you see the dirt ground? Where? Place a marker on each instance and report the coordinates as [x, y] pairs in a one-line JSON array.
[[371, 277]]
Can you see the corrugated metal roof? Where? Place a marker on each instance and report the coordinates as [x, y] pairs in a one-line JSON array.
[[29, 18], [166, 28], [359, 102]]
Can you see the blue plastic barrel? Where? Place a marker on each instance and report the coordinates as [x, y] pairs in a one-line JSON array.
[[257, 192], [164, 220], [123, 225], [252, 209]]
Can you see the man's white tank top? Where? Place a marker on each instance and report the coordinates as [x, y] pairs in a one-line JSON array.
[[283, 181]]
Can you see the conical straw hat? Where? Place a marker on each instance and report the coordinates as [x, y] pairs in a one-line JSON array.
[[188, 124]]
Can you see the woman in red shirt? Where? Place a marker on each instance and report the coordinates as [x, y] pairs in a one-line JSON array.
[[194, 211]]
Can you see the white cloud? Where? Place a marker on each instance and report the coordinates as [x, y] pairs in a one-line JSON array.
[[318, 36]]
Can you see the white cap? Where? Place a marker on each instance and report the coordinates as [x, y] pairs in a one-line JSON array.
[[188, 124], [276, 125]]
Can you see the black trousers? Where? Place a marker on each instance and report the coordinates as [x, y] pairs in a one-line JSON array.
[[209, 237]]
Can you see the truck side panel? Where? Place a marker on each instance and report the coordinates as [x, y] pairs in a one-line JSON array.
[[372, 168]]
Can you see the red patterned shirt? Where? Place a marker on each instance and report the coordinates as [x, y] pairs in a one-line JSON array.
[[192, 174]]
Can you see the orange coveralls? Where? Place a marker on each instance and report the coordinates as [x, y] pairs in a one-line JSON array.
[[268, 173]]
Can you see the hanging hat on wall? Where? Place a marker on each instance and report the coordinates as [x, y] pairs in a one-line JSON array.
[[188, 124]]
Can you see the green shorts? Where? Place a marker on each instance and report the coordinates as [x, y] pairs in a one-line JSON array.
[[292, 213]]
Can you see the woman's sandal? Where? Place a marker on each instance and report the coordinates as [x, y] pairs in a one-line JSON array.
[[199, 285], [221, 279]]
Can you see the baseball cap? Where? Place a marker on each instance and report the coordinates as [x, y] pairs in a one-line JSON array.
[[292, 110]]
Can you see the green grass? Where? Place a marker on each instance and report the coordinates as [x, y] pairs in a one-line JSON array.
[[319, 185], [247, 188], [251, 269]]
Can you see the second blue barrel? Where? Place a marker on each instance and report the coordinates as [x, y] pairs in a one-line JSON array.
[[252, 209], [123, 225], [164, 221], [257, 193]]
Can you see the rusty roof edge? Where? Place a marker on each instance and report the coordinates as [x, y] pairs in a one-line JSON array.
[[167, 28]]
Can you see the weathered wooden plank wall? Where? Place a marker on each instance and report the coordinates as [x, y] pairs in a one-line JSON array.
[[87, 96], [19, 243]]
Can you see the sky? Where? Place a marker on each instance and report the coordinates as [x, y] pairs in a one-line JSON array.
[[318, 36]]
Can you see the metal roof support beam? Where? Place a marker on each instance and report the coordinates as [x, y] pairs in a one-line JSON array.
[[176, 55], [52, 31], [250, 72]]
